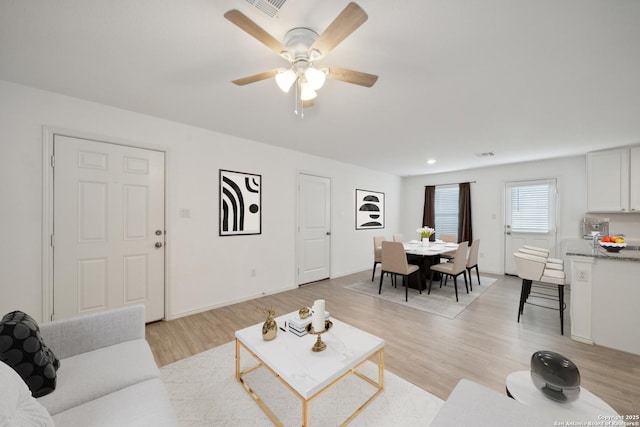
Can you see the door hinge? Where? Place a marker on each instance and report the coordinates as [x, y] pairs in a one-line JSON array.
[[53, 317], [53, 161]]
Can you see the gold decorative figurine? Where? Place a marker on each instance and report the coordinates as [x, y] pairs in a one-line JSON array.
[[270, 327], [303, 312]]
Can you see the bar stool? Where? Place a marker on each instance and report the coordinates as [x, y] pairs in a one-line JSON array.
[[550, 262], [545, 251], [532, 268]]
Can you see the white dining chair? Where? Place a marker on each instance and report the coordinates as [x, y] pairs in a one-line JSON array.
[[377, 253], [453, 269], [472, 261], [448, 238], [394, 261]]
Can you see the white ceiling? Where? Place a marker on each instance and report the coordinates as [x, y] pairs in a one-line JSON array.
[[525, 79]]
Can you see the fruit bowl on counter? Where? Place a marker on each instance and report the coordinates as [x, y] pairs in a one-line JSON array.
[[613, 243], [613, 247]]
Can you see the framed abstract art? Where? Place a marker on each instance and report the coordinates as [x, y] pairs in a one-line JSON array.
[[240, 203], [369, 209]]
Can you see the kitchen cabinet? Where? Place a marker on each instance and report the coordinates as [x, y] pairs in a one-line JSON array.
[[613, 180], [604, 296], [634, 179]]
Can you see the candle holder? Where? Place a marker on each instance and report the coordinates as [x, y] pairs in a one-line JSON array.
[[319, 344]]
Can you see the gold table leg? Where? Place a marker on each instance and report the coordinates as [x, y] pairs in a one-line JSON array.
[[305, 402]]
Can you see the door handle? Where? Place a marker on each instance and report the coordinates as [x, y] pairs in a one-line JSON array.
[[158, 245], [328, 233]]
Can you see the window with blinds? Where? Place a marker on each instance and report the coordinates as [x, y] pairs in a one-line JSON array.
[[530, 209], [446, 210]]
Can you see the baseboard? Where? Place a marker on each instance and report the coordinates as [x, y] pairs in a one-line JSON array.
[[174, 316], [582, 340]]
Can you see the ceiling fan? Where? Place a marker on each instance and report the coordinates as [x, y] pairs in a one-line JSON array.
[[302, 47]]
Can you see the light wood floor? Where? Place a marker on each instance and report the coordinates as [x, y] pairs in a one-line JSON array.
[[484, 343]]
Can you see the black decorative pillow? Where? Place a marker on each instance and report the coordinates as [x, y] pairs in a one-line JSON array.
[[21, 347]]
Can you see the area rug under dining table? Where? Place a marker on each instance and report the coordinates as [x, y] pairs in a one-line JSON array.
[[204, 392], [441, 301]]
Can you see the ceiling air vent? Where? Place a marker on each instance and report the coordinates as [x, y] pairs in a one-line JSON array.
[[270, 7], [487, 154]]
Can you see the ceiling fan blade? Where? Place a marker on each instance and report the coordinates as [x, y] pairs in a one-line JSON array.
[[350, 76], [346, 23], [248, 26], [255, 78]]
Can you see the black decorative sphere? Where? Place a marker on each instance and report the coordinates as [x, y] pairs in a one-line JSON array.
[[555, 376]]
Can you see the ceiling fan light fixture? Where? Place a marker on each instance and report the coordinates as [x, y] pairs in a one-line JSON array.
[[285, 79], [315, 78], [306, 92]]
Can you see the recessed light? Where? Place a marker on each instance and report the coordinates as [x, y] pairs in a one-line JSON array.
[[431, 161]]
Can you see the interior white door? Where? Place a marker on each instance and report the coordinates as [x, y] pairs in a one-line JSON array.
[[109, 228], [530, 218], [314, 228]]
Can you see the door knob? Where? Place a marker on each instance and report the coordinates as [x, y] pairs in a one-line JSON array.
[[158, 244], [328, 233]]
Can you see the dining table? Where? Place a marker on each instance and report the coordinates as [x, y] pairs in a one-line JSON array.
[[426, 255]]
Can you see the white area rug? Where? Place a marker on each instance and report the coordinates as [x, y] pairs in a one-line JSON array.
[[441, 302], [204, 392]]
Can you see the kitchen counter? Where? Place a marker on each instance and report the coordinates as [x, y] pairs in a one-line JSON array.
[[577, 247], [605, 295]]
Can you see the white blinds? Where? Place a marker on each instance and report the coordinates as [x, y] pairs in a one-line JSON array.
[[446, 210], [530, 208]]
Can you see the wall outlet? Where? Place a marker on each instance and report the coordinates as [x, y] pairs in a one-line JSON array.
[[582, 275]]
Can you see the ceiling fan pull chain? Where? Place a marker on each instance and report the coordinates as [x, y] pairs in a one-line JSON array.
[[295, 108]]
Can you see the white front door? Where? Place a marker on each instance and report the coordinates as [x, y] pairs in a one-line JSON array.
[[314, 228], [530, 218], [108, 227]]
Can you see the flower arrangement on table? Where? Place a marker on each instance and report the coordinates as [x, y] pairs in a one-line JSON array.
[[426, 232]]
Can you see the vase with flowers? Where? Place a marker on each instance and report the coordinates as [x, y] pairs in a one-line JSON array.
[[425, 234]]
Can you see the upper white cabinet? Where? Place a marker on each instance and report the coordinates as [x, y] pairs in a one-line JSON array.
[[613, 180], [634, 179]]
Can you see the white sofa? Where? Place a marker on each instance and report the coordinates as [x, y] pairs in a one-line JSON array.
[[107, 374]]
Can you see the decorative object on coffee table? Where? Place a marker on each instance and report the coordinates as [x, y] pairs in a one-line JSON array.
[[557, 377], [319, 345], [270, 327], [303, 312]]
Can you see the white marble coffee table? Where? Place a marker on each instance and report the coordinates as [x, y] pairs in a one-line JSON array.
[[306, 373]]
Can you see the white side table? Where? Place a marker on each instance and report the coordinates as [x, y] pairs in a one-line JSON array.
[[588, 406]]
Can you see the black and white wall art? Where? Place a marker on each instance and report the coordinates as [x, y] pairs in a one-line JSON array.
[[369, 209], [240, 203]]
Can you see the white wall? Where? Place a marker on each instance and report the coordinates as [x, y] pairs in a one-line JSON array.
[[487, 201], [205, 270]]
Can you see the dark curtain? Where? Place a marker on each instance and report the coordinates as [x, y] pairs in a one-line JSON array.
[[429, 214], [465, 231]]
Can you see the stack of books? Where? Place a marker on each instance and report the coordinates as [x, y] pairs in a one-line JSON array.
[[298, 326]]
